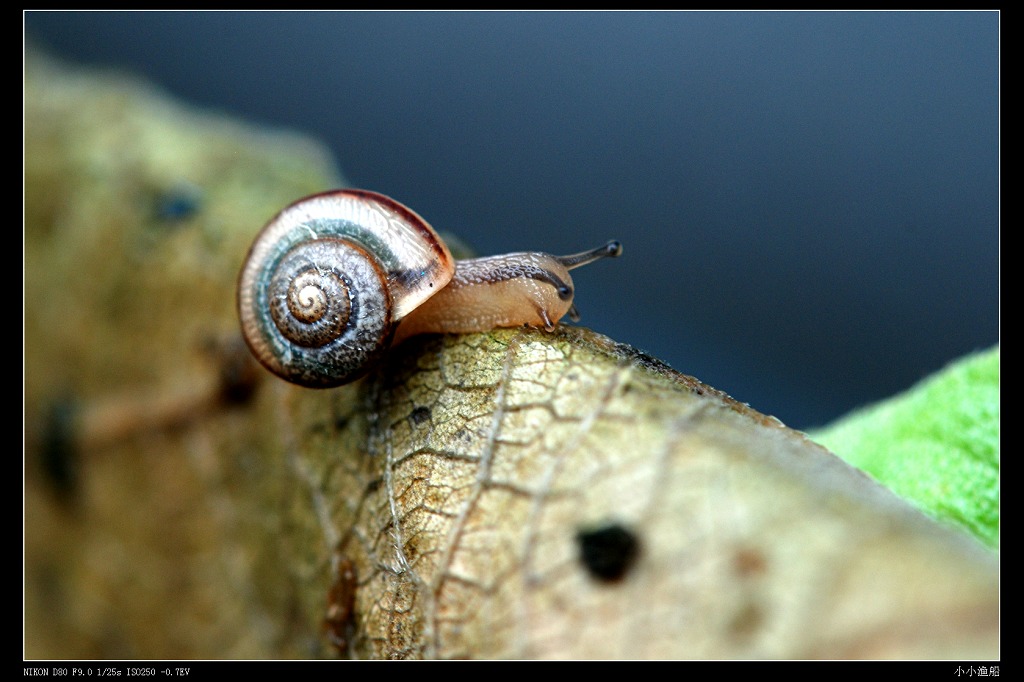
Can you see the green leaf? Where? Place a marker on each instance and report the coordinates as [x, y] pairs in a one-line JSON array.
[[937, 444]]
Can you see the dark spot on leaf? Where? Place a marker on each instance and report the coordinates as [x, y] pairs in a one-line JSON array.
[[238, 372], [420, 415], [340, 422], [746, 621], [59, 453], [749, 563], [177, 204], [608, 552]]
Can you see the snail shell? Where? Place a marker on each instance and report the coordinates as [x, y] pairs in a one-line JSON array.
[[335, 278]]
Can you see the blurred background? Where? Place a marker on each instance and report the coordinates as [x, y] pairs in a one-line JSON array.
[[808, 201]]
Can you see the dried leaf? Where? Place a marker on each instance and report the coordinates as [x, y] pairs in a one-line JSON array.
[[497, 495]]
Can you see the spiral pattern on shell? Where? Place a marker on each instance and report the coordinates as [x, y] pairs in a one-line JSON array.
[[330, 301], [327, 280]]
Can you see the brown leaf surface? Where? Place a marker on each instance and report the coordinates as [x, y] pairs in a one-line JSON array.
[[508, 494]]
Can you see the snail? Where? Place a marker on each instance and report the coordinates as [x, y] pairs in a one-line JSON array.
[[336, 278]]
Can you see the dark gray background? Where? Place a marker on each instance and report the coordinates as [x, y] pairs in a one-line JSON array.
[[808, 201]]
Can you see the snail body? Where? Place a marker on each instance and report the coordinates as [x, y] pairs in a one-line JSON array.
[[334, 279]]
